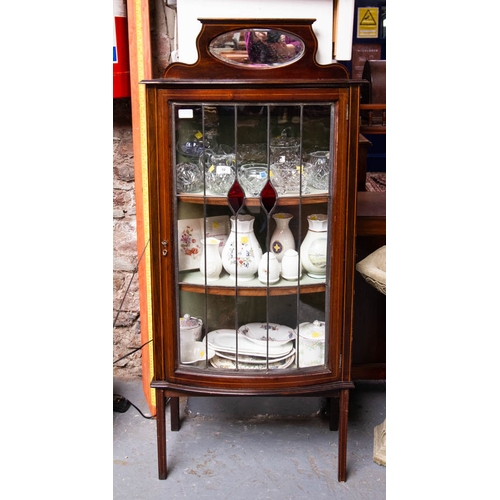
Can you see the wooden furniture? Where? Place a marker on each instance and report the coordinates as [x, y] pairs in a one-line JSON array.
[[364, 144], [245, 111], [373, 98], [371, 214], [369, 325]]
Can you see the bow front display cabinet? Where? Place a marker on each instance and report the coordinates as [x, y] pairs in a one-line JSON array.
[[252, 201]]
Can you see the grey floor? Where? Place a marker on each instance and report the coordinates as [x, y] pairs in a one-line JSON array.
[[248, 448]]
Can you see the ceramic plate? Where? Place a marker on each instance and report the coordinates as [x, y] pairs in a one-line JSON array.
[[257, 332], [253, 360], [225, 340], [219, 362]]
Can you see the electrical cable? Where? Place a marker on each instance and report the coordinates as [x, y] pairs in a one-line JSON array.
[[129, 283], [145, 416], [134, 350], [120, 403]]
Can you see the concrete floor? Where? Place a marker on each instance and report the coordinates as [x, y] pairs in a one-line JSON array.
[[248, 448]]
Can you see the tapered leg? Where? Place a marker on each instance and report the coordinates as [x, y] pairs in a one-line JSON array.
[[174, 414], [343, 417], [161, 434], [334, 413]]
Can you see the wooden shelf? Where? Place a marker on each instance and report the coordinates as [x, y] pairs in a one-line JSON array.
[[286, 200], [193, 281]]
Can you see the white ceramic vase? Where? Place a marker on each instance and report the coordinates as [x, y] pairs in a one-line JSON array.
[[269, 270], [314, 248], [211, 262], [282, 238], [241, 253]]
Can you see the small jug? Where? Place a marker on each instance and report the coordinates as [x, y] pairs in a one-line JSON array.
[[271, 271], [320, 172], [211, 263]]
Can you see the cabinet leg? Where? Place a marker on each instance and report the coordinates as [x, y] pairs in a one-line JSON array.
[[175, 422], [343, 417], [334, 413], [161, 434]]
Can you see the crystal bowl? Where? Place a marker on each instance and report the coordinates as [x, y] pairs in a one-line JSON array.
[[189, 177], [290, 177], [252, 177]]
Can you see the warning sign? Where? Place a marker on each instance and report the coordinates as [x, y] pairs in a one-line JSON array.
[[367, 22]]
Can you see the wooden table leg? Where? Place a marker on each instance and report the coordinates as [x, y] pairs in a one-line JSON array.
[[175, 423], [161, 434], [343, 417]]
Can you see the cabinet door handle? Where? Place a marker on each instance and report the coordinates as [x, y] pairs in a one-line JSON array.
[[164, 244]]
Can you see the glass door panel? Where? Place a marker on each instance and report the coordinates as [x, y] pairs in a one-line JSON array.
[[253, 199]]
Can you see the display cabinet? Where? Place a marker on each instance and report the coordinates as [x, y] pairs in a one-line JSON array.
[[252, 201]]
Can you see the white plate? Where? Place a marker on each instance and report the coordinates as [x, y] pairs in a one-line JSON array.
[[218, 362], [225, 340], [278, 334], [253, 360]]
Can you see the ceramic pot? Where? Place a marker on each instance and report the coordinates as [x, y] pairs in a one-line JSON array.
[[241, 253], [282, 238], [311, 343], [269, 269], [211, 262], [191, 328], [291, 268], [313, 250]]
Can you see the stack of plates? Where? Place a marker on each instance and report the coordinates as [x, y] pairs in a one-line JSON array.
[[261, 333], [252, 354]]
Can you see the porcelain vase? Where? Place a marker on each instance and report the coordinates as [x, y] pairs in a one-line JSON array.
[[241, 253], [282, 238], [211, 262], [314, 248]]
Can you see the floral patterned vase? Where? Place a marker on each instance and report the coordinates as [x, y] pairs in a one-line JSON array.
[[241, 253]]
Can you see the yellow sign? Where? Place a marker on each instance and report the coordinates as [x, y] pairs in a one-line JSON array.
[[367, 22]]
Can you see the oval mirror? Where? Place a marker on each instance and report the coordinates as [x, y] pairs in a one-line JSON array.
[[257, 48]]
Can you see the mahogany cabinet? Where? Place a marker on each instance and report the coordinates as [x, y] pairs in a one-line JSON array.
[[235, 137]]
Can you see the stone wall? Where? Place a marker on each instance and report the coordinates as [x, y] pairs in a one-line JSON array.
[[126, 310]]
